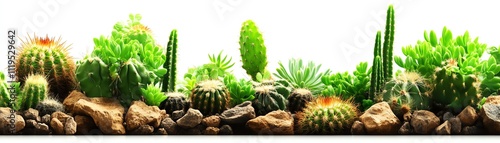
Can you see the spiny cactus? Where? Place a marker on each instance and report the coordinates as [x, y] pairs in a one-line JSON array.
[[35, 89], [408, 91], [175, 101], [48, 57], [252, 49], [298, 100], [4, 92], [168, 84], [133, 77], [327, 115], [49, 106], [388, 44], [94, 77], [268, 99], [377, 75], [210, 97]]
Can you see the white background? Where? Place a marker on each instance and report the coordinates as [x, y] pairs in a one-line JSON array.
[[336, 34]]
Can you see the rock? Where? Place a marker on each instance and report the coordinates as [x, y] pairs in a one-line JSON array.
[[225, 130], [491, 117], [493, 100], [456, 125], [42, 129], [139, 114], [72, 98], [358, 128], [424, 122], [407, 117], [30, 123], [84, 124], [192, 118], [176, 115], [468, 116], [57, 126], [60, 115], [447, 116], [107, 113], [46, 119], [444, 129], [379, 119], [30, 114], [10, 121], [470, 130], [239, 114], [70, 126], [211, 131], [405, 129], [143, 130], [169, 125], [211, 121], [191, 131], [161, 131], [276, 123]]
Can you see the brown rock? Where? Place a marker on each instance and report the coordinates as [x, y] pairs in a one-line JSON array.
[[57, 126], [143, 130], [493, 100], [84, 124], [7, 116], [468, 116], [276, 123], [60, 115], [456, 125], [211, 121], [358, 128], [107, 113], [139, 114], [169, 125], [191, 119], [30, 114], [379, 119], [470, 130], [491, 117], [72, 98], [161, 131], [239, 114], [424, 122], [30, 123], [70, 126], [405, 129], [211, 131], [444, 129], [46, 119], [447, 116], [225, 130]]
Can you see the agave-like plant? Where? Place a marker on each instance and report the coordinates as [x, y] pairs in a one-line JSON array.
[[153, 95], [240, 90], [301, 75]]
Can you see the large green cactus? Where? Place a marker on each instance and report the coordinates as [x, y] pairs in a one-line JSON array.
[[133, 77], [252, 49], [4, 92], [35, 90], [388, 44], [210, 97], [94, 77], [377, 75], [168, 84], [268, 99], [49, 57]]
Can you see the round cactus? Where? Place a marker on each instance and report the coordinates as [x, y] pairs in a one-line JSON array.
[[210, 97], [94, 77], [175, 101], [48, 57], [298, 100], [133, 77], [34, 90], [252, 49], [327, 115], [268, 99], [49, 106], [408, 91], [4, 92]]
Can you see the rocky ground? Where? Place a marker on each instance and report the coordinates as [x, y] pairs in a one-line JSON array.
[[94, 116]]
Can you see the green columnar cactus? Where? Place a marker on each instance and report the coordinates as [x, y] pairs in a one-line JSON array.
[[175, 101], [268, 99], [210, 97], [388, 44], [408, 91], [377, 75], [168, 84], [133, 77], [327, 115], [48, 57], [252, 49], [298, 100], [94, 77], [35, 89], [4, 92]]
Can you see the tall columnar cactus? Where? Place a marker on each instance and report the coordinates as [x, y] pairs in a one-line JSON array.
[[48, 57], [327, 115], [35, 90], [4, 92], [408, 91], [133, 77], [210, 97], [298, 100], [252, 49], [388, 44], [168, 84], [377, 75], [94, 77], [268, 99]]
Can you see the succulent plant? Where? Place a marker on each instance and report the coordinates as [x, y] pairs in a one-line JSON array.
[[4, 92], [377, 76], [298, 100], [407, 91], [49, 105], [302, 76], [252, 49], [240, 90], [169, 78], [387, 50], [175, 101], [94, 78], [268, 99], [48, 57], [327, 115], [210, 97], [35, 89], [347, 86], [153, 95], [133, 77]]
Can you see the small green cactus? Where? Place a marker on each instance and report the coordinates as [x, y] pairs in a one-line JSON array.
[[327, 115], [153, 95], [35, 90], [252, 49], [298, 100], [133, 77], [240, 90], [268, 99], [4, 92], [94, 77], [175, 101], [210, 97], [168, 84]]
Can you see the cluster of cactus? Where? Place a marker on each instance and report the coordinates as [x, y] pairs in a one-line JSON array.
[[34, 90], [327, 115], [210, 97], [406, 92], [348, 86], [252, 49], [4, 92], [302, 76], [48, 57], [240, 90]]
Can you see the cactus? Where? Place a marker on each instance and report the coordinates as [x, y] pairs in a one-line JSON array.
[[4, 92], [252, 49], [133, 77], [327, 115], [49, 106], [153, 95], [168, 84], [388, 44], [377, 75], [50, 58], [94, 77], [210, 97], [408, 91], [268, 99], [298, 100], [175, 101], [34, 90], [240, 90], [302, 76]]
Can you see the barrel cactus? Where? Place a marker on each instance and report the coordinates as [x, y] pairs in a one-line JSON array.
[[48, 57], [252, 49], [268, 99], [298, 100], [175, 101], [35, 90], [327, 115], [210, 97], [94, 77]]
